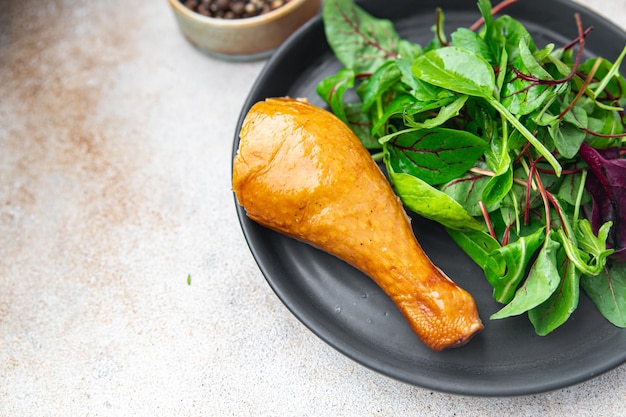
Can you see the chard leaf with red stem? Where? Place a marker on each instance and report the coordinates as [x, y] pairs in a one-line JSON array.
[[360, 41]]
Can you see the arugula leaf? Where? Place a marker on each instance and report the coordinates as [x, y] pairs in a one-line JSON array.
[[591, 254]]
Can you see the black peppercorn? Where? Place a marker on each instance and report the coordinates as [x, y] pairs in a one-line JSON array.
[[233, 9]]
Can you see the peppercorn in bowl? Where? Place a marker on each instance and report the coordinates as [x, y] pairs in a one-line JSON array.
[[241, 30]]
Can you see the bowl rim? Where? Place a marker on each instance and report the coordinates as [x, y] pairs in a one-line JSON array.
[[238, 22]]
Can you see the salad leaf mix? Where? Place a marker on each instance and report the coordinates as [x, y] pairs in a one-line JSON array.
[[516, 149]]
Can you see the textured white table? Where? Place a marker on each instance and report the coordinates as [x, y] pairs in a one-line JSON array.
[[115, 146]]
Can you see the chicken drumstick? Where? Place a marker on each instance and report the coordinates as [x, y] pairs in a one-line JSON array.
[[300, 171]]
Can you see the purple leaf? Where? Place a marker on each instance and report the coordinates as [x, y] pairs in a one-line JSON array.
[[607, 186]]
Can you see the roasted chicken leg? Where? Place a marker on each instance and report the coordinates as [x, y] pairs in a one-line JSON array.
[[300, 171]]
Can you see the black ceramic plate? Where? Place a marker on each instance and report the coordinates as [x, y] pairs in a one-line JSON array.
[[349, 312]]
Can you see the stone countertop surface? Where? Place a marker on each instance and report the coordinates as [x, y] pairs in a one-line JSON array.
[[126, 285]]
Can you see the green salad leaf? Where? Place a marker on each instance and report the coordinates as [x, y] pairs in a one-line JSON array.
[[506, 143]]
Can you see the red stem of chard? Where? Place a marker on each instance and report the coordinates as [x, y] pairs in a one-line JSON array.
[[564, 172], [483, 209], [582, 90], [558, 210], [529, 180], [575, 41], [602, 135], [507, 234], [581, 45], [546, 203], [495, 10], [353, 22]]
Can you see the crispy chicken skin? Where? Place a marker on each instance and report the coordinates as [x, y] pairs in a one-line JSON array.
[[302, 172]]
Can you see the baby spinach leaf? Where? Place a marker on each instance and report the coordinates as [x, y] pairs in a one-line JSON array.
[[435, 155], [498, 187], [542, 281], [567, 138], [555, 311], [510, 32], [419, 89], [499, 160], [530, 62], [567, 134], [608, 292], [470, 40], [456, 69], [479, 246], [497, 156]]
